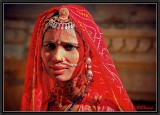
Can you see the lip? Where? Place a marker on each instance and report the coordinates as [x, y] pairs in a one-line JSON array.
[[58, 70]]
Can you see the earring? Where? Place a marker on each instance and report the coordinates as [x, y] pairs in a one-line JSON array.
[[89, 73]]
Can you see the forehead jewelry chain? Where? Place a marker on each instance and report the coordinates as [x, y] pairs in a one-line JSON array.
[[59, 41], [61, 21]]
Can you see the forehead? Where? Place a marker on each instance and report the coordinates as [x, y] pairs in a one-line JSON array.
[[66, 35]]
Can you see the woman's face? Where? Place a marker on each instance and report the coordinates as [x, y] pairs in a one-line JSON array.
[[60, 46]]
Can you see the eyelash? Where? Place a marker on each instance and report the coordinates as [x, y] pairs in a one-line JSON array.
[[50, 46], [70, 47], [67, 47]]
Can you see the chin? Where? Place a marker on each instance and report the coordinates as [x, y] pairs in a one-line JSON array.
[[61, 78]]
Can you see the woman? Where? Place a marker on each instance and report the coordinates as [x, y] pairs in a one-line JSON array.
[[69, 67]]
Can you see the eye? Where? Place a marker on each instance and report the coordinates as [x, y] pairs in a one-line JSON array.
[[50, 46], [69, 47]]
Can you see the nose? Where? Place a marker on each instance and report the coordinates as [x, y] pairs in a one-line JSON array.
[[57, 55]]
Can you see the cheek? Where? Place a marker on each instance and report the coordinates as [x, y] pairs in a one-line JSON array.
[[45, 56], [74, 57]]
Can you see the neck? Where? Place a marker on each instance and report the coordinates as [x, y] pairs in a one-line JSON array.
[[66, 92], [69, 89]]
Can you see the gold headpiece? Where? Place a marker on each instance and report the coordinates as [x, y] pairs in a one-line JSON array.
[[60, 21]]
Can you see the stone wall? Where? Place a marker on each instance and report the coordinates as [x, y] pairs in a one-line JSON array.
[[130, 35]]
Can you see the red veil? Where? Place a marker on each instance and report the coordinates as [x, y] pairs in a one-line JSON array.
[[106, 80]]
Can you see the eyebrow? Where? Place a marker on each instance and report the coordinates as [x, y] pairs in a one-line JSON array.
[[62, 43]]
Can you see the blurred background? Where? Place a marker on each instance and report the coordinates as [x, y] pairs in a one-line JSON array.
[[130, 34]]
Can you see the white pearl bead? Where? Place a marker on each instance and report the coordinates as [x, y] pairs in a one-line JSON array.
[[88, 60], [89, 73]]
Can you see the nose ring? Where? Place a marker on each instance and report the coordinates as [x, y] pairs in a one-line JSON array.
[[62, 59]]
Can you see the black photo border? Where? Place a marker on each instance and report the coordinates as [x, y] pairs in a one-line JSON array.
[[2, 2]]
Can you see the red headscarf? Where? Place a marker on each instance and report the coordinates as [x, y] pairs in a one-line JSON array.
[[106, 80]]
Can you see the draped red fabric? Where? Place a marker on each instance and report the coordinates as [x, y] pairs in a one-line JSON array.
[[106, 79]]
